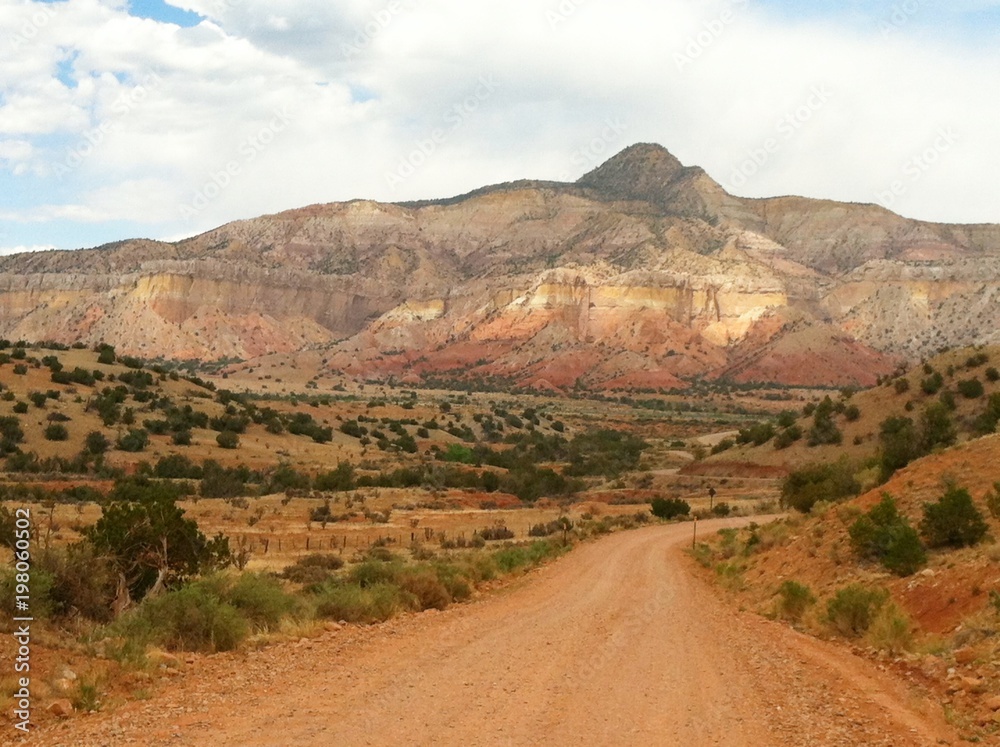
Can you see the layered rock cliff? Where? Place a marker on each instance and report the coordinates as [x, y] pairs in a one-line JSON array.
[[643, 274]]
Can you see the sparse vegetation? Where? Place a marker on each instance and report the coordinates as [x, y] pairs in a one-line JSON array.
[[885, 536], [953, 521], [793, 600], [852, 610], [670, 508], [805, 487], [148, 539]]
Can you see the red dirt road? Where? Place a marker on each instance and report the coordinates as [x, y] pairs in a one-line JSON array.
[[618, 643]]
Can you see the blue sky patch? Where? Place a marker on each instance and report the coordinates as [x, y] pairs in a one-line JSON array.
[[161, 11]]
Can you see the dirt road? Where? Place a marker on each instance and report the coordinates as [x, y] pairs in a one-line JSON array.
[[618, 643]]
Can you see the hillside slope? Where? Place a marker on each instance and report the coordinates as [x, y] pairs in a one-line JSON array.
[[934, 387]]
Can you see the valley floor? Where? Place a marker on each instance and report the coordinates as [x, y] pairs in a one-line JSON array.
[[618, 643]]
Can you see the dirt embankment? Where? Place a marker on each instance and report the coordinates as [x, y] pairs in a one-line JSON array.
[[618, 643]]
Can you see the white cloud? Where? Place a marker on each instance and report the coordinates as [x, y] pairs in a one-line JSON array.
[[365, 85]]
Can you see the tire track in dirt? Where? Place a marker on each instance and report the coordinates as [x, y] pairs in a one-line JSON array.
[[618, 643]]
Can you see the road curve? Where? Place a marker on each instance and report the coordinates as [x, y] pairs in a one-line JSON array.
[[618, 643]]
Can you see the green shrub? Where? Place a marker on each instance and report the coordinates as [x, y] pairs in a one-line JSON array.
[[891, 630], [145, 534], [81, 582], [670, 508], [455, 579], [135, 440], [901, 444], [756, 434], [805, 487], [787, 437], [424, 585], [106, 354], [971, 388], [285, 477], [937, 427], [372, 572], [351, 603], [953, 521], [313, 569], [852, 609], [498, 532], [88, 696], [228, 440], [884, 535], [42, 606], [511, 558], [604, 452], [932, 384], [730, 576], [793, 600], [341, 478], [177, 467], [191, 619], [724, 445], [259, 598], [480, 567], [824, 430], [787, 418], [529, 483], [96, 443], [56, 432], [181, 437]]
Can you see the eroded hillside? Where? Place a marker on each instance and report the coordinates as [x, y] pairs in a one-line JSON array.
[[643, 274]]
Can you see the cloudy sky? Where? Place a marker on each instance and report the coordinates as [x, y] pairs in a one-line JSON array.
[[163, 119]]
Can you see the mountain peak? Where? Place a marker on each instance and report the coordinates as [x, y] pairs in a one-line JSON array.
[[641, 171]]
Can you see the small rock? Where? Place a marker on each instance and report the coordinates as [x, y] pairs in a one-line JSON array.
[[966, 655], [972, 685], [993, 703], [68, 674], [62, 708]]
